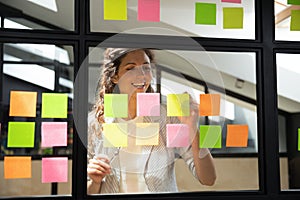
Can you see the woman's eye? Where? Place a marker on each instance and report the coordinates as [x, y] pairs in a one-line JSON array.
[[129, 68]]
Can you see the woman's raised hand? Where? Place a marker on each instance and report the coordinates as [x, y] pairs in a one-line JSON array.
[[98, 168]]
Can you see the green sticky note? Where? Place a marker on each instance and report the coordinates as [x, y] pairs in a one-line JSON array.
[[54, 105], [20, 134], [298, 139], [295, 20], [115, 135], [116, 105], [115, 9], [233, 18], [294, 2], [210, 136], [205, 13], [178, 105]]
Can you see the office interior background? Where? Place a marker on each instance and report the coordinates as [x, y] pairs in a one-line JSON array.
[[57, 46]]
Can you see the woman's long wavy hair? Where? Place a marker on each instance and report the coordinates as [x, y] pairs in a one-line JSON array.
[[111, 62]]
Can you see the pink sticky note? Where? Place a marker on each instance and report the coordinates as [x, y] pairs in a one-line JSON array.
[[54, 134], [177, 135], [148, 104], [149, 10], [232, 1], [54, 169]]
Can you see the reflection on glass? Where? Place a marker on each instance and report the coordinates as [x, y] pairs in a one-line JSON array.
[[198, 73], [288, 80]]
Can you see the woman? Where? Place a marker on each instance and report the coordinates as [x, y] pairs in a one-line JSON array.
[[139, 169]]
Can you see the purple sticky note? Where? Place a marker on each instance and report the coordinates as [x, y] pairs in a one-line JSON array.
[[54, 134], [149, 10], [177, 135], [232, 1], [148, 104], [54, 169]]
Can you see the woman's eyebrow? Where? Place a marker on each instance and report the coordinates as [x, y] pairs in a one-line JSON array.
[[133, 63]]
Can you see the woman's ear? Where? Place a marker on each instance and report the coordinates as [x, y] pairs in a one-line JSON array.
[[115, 79]]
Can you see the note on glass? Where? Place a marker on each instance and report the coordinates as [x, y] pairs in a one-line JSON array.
[[210, 136], [116, 105], [54, 134], [232, 1], [115, 9], [147, 133], [178, 105], [205, 13], [54, 169], [17, 167], [177, 135], [209, 104], [295, 20], [149, 10], [22, 104], [237, 135], [298, 139], [115, 135], [233, 18], [20, 134], [54, 105], [294, 2], [148, 104]]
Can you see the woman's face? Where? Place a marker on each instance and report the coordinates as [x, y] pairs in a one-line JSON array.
[[134, 74]]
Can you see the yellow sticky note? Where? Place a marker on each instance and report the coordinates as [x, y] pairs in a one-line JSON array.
[[17, 167], [115, 9], [178, 105], [115, 135], [147, 133], [295, 20], [22, 104], [233, 18]]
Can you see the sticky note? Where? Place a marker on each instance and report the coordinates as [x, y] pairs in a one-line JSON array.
[[232, 1], [54, 134], [22, 104], [54, 169], [294, 2], [148, 104], [20, 134], [298, 139], [237, 135], [149, 10], [177, 135], [17, 167], [115, 9], [54, 105], [147, 133], [210, 136], [116, 105], [205, 13], [178, 105], [295, 20], [233, 18], [209, 104], [115, 135]]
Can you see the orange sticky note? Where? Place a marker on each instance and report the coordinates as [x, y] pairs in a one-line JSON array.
[[17, 167], [237, 135], [209, 104], [22, 104]]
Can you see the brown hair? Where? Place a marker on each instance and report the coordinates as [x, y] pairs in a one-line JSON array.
[[111, 62]]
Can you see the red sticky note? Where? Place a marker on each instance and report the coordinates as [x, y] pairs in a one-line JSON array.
[[237, 135], [232, 1], [149, 10], [17, 167], [54, 134], [22, 104], [148, 104], [54, 169], [209, 104], [177, 135]]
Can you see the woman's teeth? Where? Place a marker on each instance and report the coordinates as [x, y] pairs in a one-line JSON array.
[[138, 85]]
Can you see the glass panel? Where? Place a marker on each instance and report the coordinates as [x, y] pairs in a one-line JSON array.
[[38, 14], [36, 120], [288, 79], [179, 18], [286, 25], [197, 73]]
